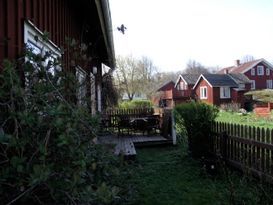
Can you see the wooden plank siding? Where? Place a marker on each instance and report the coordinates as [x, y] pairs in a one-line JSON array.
[[61, 18], [247, 148]]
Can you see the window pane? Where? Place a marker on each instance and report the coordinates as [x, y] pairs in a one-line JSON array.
[[34, 48]]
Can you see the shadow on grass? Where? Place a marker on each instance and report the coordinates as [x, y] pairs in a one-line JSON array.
[[168, 176]]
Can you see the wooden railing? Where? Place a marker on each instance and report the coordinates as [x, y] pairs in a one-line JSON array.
[[112, 116], [247, 148], [122, 121]]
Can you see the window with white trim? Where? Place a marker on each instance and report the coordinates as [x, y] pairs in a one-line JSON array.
[[242, 85], [224, 92], [182, 85], [203, 92], [260, 70], [269, 84], [35, 41], [267, 71], [252, 71], [253, 86], [81, 89]]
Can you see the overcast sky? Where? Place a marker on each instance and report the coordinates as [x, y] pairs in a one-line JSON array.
[[212, 32]]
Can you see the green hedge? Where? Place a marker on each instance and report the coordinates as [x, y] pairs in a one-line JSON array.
[[136, 104], [195, 119]]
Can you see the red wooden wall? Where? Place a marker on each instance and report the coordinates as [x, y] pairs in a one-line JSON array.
[[260, 79], [210, 93], [61, 18]]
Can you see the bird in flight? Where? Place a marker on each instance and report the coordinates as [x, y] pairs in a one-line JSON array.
[[122, 28]]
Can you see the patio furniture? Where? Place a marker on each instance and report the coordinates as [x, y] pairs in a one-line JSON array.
[[124, 125], [139, 124], [153, 124]]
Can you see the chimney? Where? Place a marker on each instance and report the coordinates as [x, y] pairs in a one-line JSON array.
[[237, 63], [226, 71]]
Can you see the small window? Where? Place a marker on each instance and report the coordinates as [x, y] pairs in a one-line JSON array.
[[267, 71], [253, 84], [224, 92], [81, 89], [34, 40], [252, 71], [203, 92], [260, 70], [179, 86], [183, 86], [269, 84], [93, 93], [242, 86]]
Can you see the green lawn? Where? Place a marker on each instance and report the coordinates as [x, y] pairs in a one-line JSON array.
[[249, 119], [165, 176]]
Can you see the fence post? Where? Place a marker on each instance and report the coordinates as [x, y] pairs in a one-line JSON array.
[[173, 129], [223, 145]]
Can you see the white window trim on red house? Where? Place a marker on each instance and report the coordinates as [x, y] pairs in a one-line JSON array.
[[182, 85], [253, 85], [203, 92], [242, 86], [260, 70], [267, 71], [34, 39], [269, 84], [81, 90], [224, 92], [178, 83], [252, 71]]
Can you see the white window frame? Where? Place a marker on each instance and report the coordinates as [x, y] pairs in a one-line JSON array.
[[33, 37], [260, 70], [267, 71], [224, 92], [252, 71], [203, 92], [93, 93], [81, 89], [242, 86], [253, 85], [183, 85], [269, 84]]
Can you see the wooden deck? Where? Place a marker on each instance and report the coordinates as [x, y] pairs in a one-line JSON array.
[[126, 145]]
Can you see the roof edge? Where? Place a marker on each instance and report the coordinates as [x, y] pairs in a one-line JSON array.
[[201, 76], [106, 26]]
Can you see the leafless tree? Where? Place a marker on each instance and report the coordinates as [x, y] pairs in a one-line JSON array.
[[148, 72], [247, 58], [135, 76], [126, 76], [194, 67]]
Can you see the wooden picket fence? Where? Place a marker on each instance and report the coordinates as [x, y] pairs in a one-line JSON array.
[[245, 147]]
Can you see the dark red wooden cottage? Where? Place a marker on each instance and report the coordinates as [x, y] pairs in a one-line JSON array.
[[218, 89], [168, 95], [184, 84]]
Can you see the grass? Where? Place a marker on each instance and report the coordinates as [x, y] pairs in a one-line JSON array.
[[166, 176], [250, 119]]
